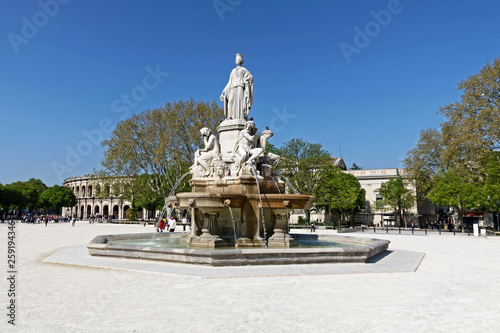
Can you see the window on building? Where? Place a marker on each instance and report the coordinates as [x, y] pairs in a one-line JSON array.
[[378, 200]]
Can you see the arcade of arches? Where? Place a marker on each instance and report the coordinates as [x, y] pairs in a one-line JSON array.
[[109, 205]]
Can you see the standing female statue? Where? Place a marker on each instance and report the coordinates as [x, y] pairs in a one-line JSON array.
[[238, 93]]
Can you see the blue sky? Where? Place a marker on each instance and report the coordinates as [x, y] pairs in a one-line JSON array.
[[67, 67]]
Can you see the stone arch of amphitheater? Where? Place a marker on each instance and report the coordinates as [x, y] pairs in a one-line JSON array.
[[95, 196]]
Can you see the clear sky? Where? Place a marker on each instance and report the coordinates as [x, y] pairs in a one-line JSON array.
[[362, 78]]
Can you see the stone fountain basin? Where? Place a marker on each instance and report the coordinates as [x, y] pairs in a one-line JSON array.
[[274, 200], [100, 246]]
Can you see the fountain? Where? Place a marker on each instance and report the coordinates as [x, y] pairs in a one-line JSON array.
[[238, 199]]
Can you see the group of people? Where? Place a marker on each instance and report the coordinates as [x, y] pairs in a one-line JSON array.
[[444, 224], [35, 219], [168, 224]]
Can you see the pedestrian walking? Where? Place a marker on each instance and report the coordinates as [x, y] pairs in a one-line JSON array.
[[184, 223]]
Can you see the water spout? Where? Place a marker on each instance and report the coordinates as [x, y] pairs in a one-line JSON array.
[[227, 203], [276, 183], [166, 209], [260, 206], [290, 184]]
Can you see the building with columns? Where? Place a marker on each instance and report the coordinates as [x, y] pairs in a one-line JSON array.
[[98, 197]]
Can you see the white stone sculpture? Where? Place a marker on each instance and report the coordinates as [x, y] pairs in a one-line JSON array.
[[267, 157], [238, 93], [243, 151], [204, 156]]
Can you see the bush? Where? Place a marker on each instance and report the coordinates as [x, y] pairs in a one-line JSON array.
[[302, 220]]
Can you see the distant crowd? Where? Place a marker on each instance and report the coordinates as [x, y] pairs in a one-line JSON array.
[[45, 218]]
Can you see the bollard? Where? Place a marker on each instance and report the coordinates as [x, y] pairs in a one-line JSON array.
[[439, 229], [374, 231], [412, 230], [426, 230], [453, 231], [399, 229], [363, 229], [387, 228]]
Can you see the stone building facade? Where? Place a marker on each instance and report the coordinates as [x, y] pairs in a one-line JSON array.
[[97, 197], [371, 181]]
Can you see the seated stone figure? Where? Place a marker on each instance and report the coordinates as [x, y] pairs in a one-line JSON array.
[[243, 151], [266, 157], [204, 156]]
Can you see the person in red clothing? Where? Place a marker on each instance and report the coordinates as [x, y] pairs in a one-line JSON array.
[[162, 225]]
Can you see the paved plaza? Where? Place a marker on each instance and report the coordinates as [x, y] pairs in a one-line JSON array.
[[424, 283]]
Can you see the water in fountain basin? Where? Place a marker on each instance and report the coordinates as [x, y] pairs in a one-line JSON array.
[[234, 227], [261, 208]]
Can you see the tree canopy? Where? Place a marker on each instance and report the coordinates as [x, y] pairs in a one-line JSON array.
[[301, 163], [57, 197], [462, 152], [450, 190], [25, 194], [339, 191], [397, 196], [159, 143]]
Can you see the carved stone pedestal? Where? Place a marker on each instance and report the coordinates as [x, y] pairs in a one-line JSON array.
[[281, 237], [209, 238], [247, 242]]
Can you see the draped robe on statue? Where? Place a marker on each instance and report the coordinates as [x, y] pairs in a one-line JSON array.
[[238, 94]]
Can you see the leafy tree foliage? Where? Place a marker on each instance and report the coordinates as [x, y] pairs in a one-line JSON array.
[[397, 196], [144, 196], [301, 162], [424, 161], [356, 167], [339, 191], [26, 194], [9, 197], [491, 187], [160, 143], [461, 154], [450, 190], [472, 128], [57, 197]]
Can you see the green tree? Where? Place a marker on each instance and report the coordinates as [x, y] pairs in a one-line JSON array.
[[10, 198], [464, 143], [450, 190], [339, 191], [356, 167], [424, 161], [472, 127], [301, 163], [397, 196], [160, 143], [57, 197], [30, 192]]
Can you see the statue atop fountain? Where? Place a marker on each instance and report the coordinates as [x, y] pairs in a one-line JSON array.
[[243, 153], [237, 194], [203, 157], [238, 93]]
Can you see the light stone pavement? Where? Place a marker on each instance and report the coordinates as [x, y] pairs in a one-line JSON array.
[[454, 289]]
